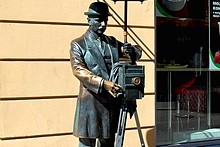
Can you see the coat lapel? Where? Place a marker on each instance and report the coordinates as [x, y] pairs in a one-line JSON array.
[[97, 56]]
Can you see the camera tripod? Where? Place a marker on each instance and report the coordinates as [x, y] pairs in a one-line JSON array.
[[124, 110]]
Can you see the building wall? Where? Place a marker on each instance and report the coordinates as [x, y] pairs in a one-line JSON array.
[[37, 89]]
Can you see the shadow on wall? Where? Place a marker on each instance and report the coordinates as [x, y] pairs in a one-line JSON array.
[[150, 137]]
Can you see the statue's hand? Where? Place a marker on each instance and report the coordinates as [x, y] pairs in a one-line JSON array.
[[129, 52], [128, 48], [112, 88]]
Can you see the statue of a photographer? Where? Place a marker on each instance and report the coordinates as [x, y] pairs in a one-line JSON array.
[[92, 57]]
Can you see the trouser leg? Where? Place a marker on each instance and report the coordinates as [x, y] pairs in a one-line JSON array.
[[86, 142]]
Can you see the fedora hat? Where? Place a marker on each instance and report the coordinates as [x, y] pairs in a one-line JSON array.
[[98, 9]]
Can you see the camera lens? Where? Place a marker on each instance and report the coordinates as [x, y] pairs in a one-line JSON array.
[[136, 81]]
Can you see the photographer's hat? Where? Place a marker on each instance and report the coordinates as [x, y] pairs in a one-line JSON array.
[[98, 9]]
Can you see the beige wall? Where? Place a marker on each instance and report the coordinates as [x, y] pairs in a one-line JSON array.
[[37, 89]]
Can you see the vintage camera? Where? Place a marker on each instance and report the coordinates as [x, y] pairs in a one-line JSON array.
[[131, 78]]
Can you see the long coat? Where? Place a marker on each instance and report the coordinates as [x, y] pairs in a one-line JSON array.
[[96, 111]]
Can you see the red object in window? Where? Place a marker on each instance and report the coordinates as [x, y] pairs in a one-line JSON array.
[[217, 57], [180, 89], [196, 97]]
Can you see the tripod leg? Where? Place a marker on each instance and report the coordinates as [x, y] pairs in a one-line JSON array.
[[139, 129], [121, 128]]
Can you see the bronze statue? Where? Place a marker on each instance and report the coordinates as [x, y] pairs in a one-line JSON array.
[[92, 57]]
